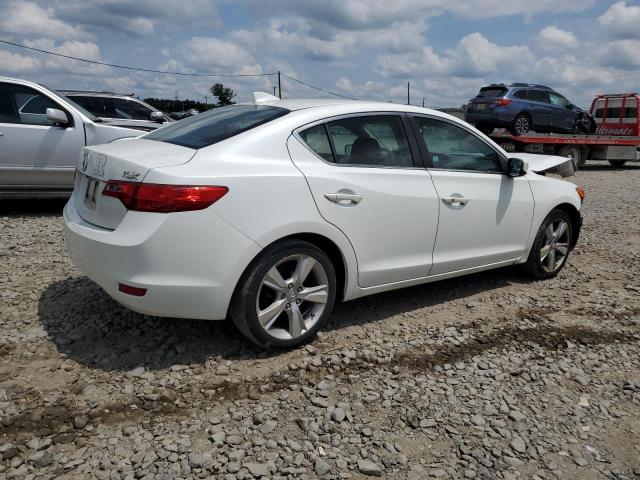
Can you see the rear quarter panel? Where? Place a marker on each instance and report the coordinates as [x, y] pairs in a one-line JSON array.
[[268, 197]]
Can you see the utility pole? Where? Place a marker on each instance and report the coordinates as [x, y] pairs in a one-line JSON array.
[[274, 90], [206, 103], [279, 86], [423, 102], [408, 93]]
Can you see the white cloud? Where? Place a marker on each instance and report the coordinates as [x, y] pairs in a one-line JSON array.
[[214, 52], [554, 38], [29, 19], [622, 20], [15, 63], [621, 53], [474, 56]]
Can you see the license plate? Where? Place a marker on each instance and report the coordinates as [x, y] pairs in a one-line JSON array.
[[91, 193], [481, 106]]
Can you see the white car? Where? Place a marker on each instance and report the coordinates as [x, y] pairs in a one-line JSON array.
[[270, 212]]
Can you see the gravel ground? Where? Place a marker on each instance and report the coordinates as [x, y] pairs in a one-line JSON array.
[[488, 376]]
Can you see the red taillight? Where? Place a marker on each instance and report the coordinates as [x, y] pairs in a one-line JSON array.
[[502, 102], [160, 198], [135, 291]]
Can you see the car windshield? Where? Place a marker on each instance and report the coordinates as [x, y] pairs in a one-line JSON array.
[[492, 92], [82, 110], [216, 125]]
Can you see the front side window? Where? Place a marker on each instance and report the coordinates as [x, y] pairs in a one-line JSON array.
[[216, 125], [131, 109], [453, 148], [373, 141], [558, 100], [24, 105]]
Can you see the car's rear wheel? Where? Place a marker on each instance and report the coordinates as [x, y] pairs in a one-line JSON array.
[[285, 296], [551, 247], [521, 124]]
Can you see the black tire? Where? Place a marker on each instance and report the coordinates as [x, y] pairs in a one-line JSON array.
[[575, 153], [534, 266], [617, 163], [521, 124], [486, 129], [243, 304]]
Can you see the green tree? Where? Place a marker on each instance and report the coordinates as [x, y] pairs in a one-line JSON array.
[[225, 94]]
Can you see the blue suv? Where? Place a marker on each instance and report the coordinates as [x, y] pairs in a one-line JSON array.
[[522, 107]]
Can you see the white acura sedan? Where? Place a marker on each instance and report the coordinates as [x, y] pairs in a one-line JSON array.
[[268, 213]]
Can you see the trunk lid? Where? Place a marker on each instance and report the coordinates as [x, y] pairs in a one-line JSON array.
[[127, 159]]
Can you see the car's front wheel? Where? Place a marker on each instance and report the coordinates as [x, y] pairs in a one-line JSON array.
[[551, 247], [285, 296]]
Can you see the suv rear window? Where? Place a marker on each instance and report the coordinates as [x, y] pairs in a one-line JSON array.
[[489, 92], [216, 125]]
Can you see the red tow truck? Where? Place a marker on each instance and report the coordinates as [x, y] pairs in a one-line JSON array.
[[616, 138]]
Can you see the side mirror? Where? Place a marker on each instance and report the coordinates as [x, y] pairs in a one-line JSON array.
[[57, 117], [516, 167], [156, 117], [569, 106]]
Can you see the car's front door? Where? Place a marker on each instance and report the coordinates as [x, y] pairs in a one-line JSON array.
[[362, 175], [485, 215], [540, 108], [563, 116], [34, 153]]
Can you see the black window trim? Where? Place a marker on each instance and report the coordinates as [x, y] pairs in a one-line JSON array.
[[426, 155], [416, 157], [60, 107]]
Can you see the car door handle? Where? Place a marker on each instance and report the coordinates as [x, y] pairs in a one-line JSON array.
[[455, 200], [344, 198]]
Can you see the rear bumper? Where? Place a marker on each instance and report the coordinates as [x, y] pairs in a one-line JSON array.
[[189, 262], [497, 118]]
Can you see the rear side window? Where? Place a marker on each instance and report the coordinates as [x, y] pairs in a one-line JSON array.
[[131, 109], [538, 96], [216, 125], [368, 141], [522, 94], [317, 140]]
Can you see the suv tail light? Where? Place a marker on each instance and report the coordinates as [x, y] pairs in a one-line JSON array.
[[160, 198], [502, 102]]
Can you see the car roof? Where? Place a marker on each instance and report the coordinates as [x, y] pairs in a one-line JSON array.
[[91, 93], [342, 104]]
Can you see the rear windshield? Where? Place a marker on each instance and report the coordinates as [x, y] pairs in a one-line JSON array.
[[492, 92], [216, 125]]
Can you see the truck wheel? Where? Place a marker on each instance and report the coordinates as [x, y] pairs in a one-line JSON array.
[[521, 124], [574, 153], [617, 163]]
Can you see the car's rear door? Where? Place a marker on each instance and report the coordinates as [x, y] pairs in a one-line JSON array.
[[365, 178], [34, 153], [485, 215]]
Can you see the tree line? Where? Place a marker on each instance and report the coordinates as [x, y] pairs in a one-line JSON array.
[[224, 96]]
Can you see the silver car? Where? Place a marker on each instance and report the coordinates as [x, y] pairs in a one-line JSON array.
[[125, 109], [41, 136]]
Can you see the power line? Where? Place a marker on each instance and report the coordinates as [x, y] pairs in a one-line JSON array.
[[318, 88], [126, 67]]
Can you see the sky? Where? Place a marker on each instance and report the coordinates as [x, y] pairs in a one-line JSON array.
[[365, 49]]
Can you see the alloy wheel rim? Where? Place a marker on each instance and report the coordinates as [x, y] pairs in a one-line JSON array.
[[522, 125], [292, 297], [556, 246]]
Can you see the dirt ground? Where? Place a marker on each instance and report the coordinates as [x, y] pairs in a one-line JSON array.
[[486, 376]]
